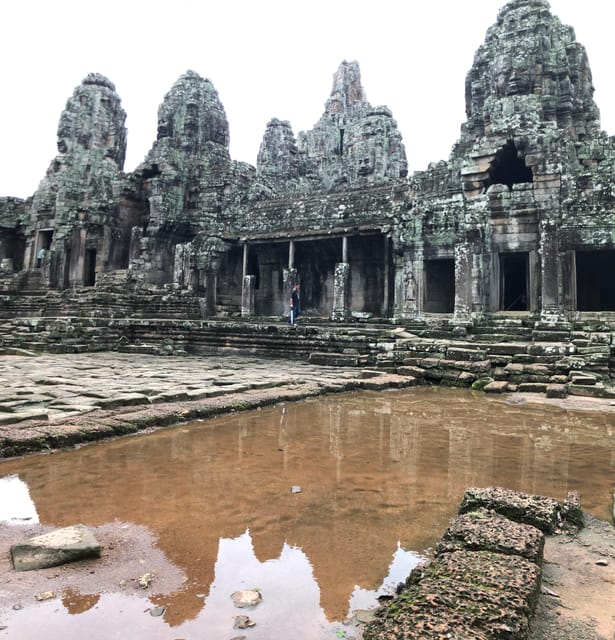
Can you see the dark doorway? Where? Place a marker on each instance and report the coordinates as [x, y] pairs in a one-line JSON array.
[[89, 268], [514, 275], [595, 281], [440, 286]]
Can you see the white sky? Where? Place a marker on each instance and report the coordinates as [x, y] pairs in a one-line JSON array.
[[266, 58]]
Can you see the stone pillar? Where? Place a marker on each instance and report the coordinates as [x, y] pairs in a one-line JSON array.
[[181, 265], [247, 296], [29, 258], [291, 254], [384, 312], [408, 290], [244, 267], [77, 258], [345, 249], [210, 283], [290, 280], [463, 282], [341, 291], [551, 311]]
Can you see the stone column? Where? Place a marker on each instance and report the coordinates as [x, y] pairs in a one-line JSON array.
[[408, 290], [290, 280], [210, 283], [247, 296], [181, 266], [77, 258], [463, 282], [29, 258], [551, 311], [244, 267], [291, 254], [341, 291], [384, 312]]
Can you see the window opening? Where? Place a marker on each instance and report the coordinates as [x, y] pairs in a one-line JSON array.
[[508, 168]]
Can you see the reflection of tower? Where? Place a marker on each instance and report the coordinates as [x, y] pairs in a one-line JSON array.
[[283, 436], [336, 422]]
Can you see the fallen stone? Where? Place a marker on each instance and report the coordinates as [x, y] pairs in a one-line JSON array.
[[243, 622], [145, 580], [57, 547], [571, 510], [246, 598], [45, 595], [537, 511]]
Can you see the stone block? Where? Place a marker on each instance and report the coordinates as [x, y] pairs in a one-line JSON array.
[[464, 594], [417, 372], [483, 530], [123, 400], [497, 386], [57, 547], [537, 511], [532, 387], [556, 390], [334, 359], [571, 510], [458, 353]]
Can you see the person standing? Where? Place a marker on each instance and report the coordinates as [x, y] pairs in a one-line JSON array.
[[295, 305]]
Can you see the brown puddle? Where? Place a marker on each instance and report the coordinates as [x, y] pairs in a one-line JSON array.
[[380, 474]]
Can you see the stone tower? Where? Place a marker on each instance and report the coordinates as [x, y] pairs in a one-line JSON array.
[[352, 144], [76, 205]]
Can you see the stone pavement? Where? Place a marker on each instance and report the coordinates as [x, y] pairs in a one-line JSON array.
[[58, 399]]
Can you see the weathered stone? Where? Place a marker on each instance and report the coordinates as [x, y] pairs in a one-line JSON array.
[[539, 511], [497, 386], [246, 598], [55, 548], [482, 530], [571, 509], [556, 391]]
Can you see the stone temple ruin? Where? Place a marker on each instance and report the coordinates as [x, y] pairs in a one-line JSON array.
[[519, 223]]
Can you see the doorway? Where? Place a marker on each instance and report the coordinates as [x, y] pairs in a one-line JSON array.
[[89, 268], [514, 281], [440, 285], [595, 282]]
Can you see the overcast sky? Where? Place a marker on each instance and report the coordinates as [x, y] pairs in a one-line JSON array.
[[266, 58]]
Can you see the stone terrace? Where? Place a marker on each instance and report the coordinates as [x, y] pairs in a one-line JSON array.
[[57, 400]]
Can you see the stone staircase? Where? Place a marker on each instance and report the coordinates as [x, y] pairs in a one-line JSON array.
[[503, 355]]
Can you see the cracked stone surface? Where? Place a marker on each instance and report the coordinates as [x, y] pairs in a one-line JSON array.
[[49, 398]]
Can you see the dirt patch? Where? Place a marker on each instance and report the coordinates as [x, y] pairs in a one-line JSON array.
[[128, 554], [578, 593]]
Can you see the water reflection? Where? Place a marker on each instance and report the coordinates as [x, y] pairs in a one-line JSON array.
[[16, 506], [378, 472]]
